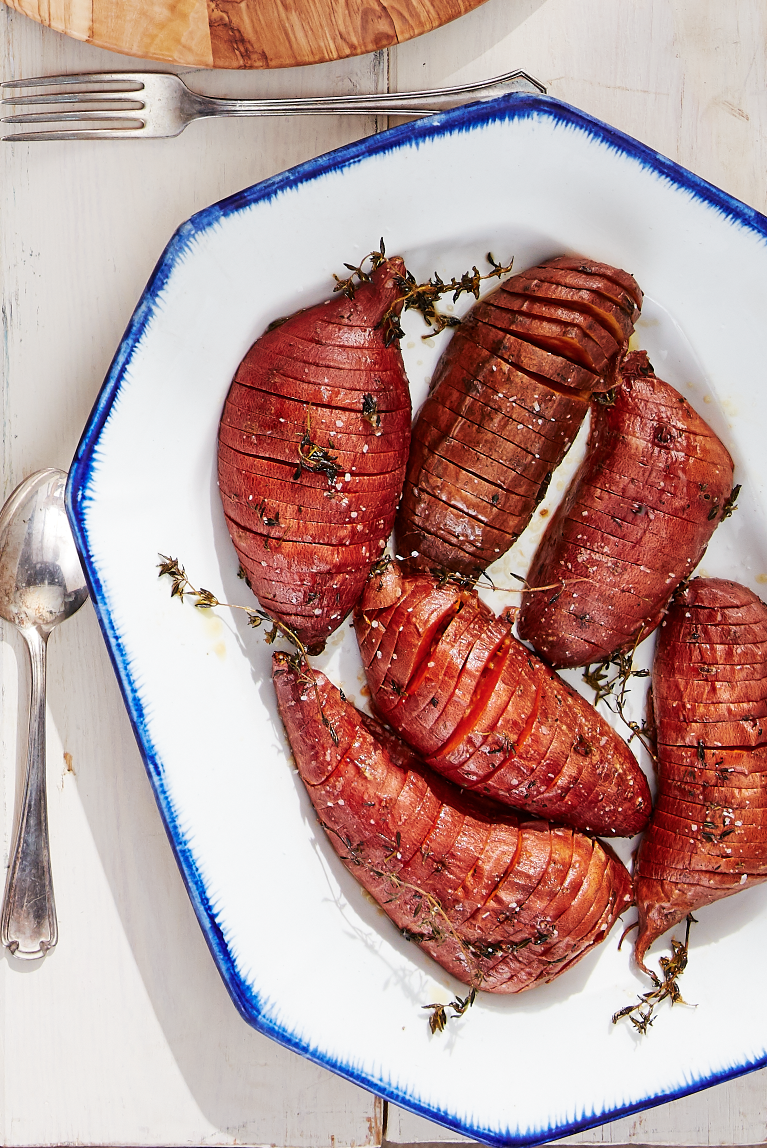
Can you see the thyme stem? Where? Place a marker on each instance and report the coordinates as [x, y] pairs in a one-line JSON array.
[[206, 600], [422, 297], [642, 1015], [612, 690], [440, 931], [313, 457]]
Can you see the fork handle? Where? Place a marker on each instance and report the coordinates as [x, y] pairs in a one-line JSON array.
[[423, 103]]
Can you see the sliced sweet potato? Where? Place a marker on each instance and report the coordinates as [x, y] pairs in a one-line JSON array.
[[706, 839], [487, 714], [634, 522], [516, 351], [502, 902], [316, 426]]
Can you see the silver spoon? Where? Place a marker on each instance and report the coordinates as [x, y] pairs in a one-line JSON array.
[[41, 584]]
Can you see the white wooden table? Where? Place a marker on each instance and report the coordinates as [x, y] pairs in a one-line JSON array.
[[125, 1035]]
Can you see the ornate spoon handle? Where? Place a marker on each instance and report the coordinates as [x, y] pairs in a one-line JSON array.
[[28, 926]]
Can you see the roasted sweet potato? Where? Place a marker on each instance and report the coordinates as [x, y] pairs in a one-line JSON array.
[[633, 524], [708, 835], [501, 902], [313, 443], [487, 714], [505, 404]]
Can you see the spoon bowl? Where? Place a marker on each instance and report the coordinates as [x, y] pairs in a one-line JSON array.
[[41, 585]]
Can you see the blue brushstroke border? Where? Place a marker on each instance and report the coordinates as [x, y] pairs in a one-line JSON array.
[[81, 490]]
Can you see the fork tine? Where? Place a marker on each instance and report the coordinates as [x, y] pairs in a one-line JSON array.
[[70, 117], [119, 100], [81, 78], [96, 134]]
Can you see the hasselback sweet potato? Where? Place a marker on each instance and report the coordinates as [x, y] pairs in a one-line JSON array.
[[484, 712], [633, 524], [313, 443], [501, 902], [708, 835], [506, 401]]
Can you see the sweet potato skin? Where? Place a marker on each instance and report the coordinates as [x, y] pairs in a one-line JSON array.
[[487, 714], [707, 838], [503, 903], [307, 527], [505, 403], [633, 524]]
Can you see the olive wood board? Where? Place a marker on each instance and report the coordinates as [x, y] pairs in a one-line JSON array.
[[244, 33]]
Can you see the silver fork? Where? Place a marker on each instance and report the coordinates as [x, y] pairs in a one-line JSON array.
[[159, 104]]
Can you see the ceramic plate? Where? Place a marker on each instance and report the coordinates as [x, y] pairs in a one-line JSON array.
[[306, 956]]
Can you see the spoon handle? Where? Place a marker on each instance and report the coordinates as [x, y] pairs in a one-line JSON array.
[[28, 926]]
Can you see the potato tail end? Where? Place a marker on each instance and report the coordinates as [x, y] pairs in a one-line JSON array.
[[656, 917]]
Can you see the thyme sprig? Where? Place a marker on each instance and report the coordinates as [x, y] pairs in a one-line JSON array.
[[315, 458], [206, 600], [731, 503], [642, 1015], [609, 679], [428, 913], [370, 411], [446, 577], [439, 1018], [607, 684], [526, 588], [423, 297], [469, 582], [348, 286], [453, 578]]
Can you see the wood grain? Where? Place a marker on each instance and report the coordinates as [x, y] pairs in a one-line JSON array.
[[244, 33]]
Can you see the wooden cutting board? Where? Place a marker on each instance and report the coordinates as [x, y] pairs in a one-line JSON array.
[[243, 33]]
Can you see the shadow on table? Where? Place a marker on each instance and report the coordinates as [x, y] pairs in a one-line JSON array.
[[230, 1069]]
